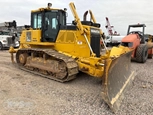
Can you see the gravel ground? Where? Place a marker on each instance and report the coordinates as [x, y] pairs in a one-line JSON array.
[[23, 93]]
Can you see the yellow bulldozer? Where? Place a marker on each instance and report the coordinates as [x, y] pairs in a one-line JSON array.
[[53, 49]]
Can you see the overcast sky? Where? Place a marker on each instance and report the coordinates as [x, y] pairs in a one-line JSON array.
[[121, 13]]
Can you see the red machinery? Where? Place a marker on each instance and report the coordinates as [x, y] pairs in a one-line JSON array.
[[139, 42]]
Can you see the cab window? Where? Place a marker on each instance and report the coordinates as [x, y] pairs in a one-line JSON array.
[[37, 19]]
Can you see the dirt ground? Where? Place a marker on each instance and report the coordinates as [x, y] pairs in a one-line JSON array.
[[23, 93]]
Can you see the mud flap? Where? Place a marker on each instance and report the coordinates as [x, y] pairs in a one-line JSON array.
[[116, 79]]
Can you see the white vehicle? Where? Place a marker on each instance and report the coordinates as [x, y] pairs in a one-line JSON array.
[[7, 40], [8, 35], [113, 40]]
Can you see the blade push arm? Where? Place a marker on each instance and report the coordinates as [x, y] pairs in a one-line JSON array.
[[77, 19], [79, 25]]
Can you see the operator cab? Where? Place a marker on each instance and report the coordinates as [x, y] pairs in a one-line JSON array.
[[138, 29], [48, 20]]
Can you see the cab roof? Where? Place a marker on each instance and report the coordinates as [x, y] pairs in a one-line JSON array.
[[137, 25], [47, 9]]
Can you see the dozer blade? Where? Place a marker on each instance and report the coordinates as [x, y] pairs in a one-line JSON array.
[[117, 77]]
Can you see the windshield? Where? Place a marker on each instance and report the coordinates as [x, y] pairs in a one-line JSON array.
[[4, 33], [136, 29]]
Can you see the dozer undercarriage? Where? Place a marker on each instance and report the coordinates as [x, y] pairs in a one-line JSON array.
[[59, 51], [48, 63]]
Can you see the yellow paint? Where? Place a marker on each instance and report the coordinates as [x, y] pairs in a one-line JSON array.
[[71, 43]]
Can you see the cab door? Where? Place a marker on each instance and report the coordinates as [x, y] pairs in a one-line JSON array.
[[52, 26]]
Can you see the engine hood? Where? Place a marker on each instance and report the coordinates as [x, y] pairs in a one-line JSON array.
[[4, 36]]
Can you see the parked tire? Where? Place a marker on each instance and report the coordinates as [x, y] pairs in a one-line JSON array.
[[1, 46], [142, 53]]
